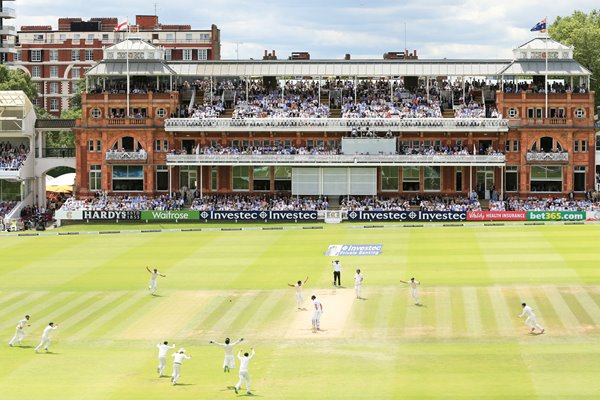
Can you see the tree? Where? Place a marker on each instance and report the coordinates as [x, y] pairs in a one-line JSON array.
[[16, 79], [582, 31]]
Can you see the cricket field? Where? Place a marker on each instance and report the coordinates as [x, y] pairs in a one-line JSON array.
[[465, 342]]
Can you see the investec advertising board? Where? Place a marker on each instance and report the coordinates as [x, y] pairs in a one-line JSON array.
[[259, 215], [408, 216]]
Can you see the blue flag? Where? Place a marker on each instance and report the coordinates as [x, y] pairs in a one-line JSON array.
[[540, 26]]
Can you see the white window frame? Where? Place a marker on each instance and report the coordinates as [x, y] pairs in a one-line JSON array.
[[75, 55], [204, 53], [89, 55], [54, 71], [54, 88], [36, 71], [187, 55], [53, 55], [54, 105], [36, 56], [76, 73], [579, 113]]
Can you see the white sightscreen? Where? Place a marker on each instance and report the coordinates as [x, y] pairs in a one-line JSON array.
[[334, 181]]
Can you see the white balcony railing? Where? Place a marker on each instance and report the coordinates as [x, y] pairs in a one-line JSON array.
[[535, 156], [126, 156], [341, 160], [337, 124]]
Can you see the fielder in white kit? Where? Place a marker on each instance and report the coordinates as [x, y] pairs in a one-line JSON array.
[[154, 274], [244, 375], [531, 319], [46, 337], [163, 349], [414, 284], [177, 360], [229, 361], [316, 319], [299, 297], [20, 331], [358, 280]]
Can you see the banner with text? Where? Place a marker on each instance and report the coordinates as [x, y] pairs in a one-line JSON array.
[[497, 216], [408, 216], [111, 215], [174, 215], [354, 250], [259, 215], [592, 215], [556, 215]]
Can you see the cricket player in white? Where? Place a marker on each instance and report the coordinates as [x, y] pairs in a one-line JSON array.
[[299, 297], [358, 280], [46, 336], [244, 375], [337, 273], [531, 319], [414, 284], [316, 319], [177, 360], [163, 349], [154, 274], [20, 331], [229, 361]]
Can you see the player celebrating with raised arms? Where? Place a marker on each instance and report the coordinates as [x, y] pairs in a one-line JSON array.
[[229, 361], [46, 336], [414, 284], [299, 297], [177, 360], [244, 374], [154, 274]]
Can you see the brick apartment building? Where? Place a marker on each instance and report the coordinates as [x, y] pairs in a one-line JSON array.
[[7, 32], [57, 59]]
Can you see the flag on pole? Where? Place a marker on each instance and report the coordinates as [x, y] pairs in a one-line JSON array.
[[121, 27], [540, 26]]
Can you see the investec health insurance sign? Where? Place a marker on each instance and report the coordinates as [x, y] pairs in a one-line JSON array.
[[409, 216], [259, 215], [556, 215], [180, 215]]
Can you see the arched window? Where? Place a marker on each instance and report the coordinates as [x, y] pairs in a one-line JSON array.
[[547, 144], [127, 143]]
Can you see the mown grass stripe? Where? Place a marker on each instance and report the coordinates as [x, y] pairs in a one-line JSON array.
[[443, 312], [62, 312], [118, 307], [75, 320], [36, 311], [472, 315], [127, 315], [562, 309], [459, 327], [248, 313], [504, 321], [22, 303], [588, 304], [7, 297], [227, 319], [100, 315], [412, 321], [384, 310], [197, 319], [255, 324]]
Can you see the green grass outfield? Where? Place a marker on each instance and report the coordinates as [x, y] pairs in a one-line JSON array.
[[466, 342]]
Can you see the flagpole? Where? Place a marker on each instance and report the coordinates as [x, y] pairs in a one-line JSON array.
[[546, 69], [127, 71]]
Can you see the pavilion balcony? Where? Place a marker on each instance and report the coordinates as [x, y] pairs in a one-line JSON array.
[[341, 160], [336, 124]]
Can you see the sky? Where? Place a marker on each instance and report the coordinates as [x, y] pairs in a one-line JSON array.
[[328, 29]]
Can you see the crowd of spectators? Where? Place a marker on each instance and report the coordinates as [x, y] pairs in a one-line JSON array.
[[6, 207], [546, 204], [102, 202], [370, 203], [554, 87], [417, 107], [12, 156], [274, 106], [259, 150], [259, 203]]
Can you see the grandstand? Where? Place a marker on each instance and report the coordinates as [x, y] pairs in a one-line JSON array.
[[260, 127]]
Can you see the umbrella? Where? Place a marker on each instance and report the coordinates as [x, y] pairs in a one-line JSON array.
[[59, 188]]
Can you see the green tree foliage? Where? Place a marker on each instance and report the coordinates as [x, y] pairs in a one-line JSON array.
[[16, 79], [582, 31]]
